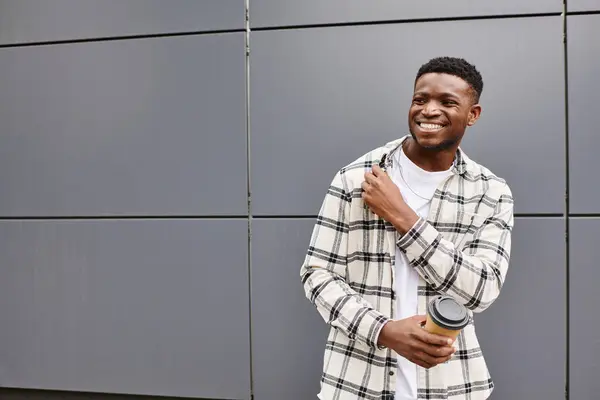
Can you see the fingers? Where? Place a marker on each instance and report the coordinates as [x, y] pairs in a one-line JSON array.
[[375, 175], [419, 362], [434, 350], [429, 355], [433, 339], [444, 351], [377, 170], [419, 319], [434, 346]]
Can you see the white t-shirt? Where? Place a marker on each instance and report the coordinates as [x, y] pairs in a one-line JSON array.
[[417, 187]]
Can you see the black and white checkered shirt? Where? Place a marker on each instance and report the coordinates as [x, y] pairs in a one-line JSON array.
[[461, 249]]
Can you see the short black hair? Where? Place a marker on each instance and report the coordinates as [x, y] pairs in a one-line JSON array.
[[457, 67]]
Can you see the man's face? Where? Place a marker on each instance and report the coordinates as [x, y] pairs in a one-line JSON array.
[[442, 108]]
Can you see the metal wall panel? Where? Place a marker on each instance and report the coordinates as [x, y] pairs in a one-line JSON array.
[[26, 21], [288, 333], [584, 63], [309, 12], [320, 98], [523, 334], [583, 5], [124, 127], [29, 394], [126, 306], [584, 298]]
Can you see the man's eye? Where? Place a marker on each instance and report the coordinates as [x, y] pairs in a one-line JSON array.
[[449, 103], [418, 101]]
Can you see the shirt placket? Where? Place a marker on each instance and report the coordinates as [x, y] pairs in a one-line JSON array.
[[391, 237]]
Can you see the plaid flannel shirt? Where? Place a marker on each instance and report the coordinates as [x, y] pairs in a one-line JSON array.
[[462, 249]]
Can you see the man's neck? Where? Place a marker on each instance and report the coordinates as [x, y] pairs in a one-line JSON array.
[[429, 160]]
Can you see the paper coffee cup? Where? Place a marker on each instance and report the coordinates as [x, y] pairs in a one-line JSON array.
[[446, 316]]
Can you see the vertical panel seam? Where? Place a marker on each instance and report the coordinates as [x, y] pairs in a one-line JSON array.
[[567, 202], [249, 190]]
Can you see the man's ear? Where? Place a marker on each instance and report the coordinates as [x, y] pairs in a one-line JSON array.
[[474, 114]]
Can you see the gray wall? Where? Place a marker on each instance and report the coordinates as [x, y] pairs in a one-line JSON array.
[[126, 262]]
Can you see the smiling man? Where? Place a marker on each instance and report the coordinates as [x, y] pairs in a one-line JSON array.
[[408, 221]]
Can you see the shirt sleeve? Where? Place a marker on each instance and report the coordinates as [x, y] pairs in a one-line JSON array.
[[324, 270], [474, 274]]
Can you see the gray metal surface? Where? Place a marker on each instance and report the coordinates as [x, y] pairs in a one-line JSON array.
[[307, 12], [156, 127], [584, 317], [583, 5], [584, 63], [125, 306], [288, 333], [523, 334], [320, 98], [138, 127], [29, 394], [26, 21]]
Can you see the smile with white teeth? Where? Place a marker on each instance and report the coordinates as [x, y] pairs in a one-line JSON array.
[[430, 127]]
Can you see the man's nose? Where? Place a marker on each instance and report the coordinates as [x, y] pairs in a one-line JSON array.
[[431, 109]]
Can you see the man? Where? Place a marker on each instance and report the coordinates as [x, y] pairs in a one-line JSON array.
[[406, 222]]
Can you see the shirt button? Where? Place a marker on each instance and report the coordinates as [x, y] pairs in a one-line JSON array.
[[426, 277], [391, 372]]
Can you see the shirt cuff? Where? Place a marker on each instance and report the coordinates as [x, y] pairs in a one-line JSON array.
[[370, 327], [379, 346], [418, 239]]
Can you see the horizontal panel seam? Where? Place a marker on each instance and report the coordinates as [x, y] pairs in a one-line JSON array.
[[117, 38], [404, 21]]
